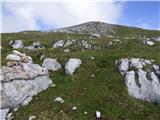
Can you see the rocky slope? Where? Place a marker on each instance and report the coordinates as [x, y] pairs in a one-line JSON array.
[[81, 61]]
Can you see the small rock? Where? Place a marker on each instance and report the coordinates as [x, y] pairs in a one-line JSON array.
[[52, 85], [156, 67], [59, 99], [32, 117], [150, 43], [58, 44], [98, 114], [85, 113], [66, 50], [92, 58], [51, 64], [74, 108], [92, 76], [72, 65], [9, 116], [16, 44], [42, 56], [15, 109]]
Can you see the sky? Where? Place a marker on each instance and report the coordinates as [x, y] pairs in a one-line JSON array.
[[21, 15]]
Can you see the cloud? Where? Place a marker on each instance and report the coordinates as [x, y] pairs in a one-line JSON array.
[[20, 16], [145, 26]]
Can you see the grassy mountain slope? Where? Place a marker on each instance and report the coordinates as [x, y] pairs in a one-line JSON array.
[[106, 92]]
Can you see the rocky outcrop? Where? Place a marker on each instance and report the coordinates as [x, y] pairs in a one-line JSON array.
[[21, 81], [16, 44], [35, 46], [51, 64], [72, 65], [149, 43], [76, 43], [142, 78]]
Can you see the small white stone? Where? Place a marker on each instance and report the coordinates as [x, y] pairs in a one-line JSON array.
[[85, 113], [98, 114], [74, 108], [59, 99], [52, 85], [42, 56], [66, 50], [92, 76], [9, 115], [32, 117], [92, 58], [15, 109]]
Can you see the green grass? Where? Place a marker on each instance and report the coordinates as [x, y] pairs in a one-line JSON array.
[[106, 92]]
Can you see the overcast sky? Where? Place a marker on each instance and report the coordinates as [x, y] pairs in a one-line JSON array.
[[44, 15]]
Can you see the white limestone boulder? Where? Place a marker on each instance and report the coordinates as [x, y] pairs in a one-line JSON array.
[[51, 64], [58, 44], [35, 46], [123, 65], [19, 83], [72, 65], [16, 44], [20, 92], [149, 43], [141, 84], [13, 57]]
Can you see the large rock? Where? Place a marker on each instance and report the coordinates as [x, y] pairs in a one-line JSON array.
[[16, 44], [149, 43], [51, 64], [141, 78], [72, 65], [20, 92], [20, 82]]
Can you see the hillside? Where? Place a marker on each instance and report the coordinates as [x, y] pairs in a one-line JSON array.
[[97, 84]]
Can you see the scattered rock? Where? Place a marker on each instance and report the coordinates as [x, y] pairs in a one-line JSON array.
[[98, 114], [141, 82], [72, 65], [58, 44], [59, 99], [9, 116], [52, 85], [42, 57], [35, 46], [66, 50], [92, 76], [32, 117], [51, 64], [74, 108], [150, 43], [85, 113], [95, 36], [16, 44], [92, 58]]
